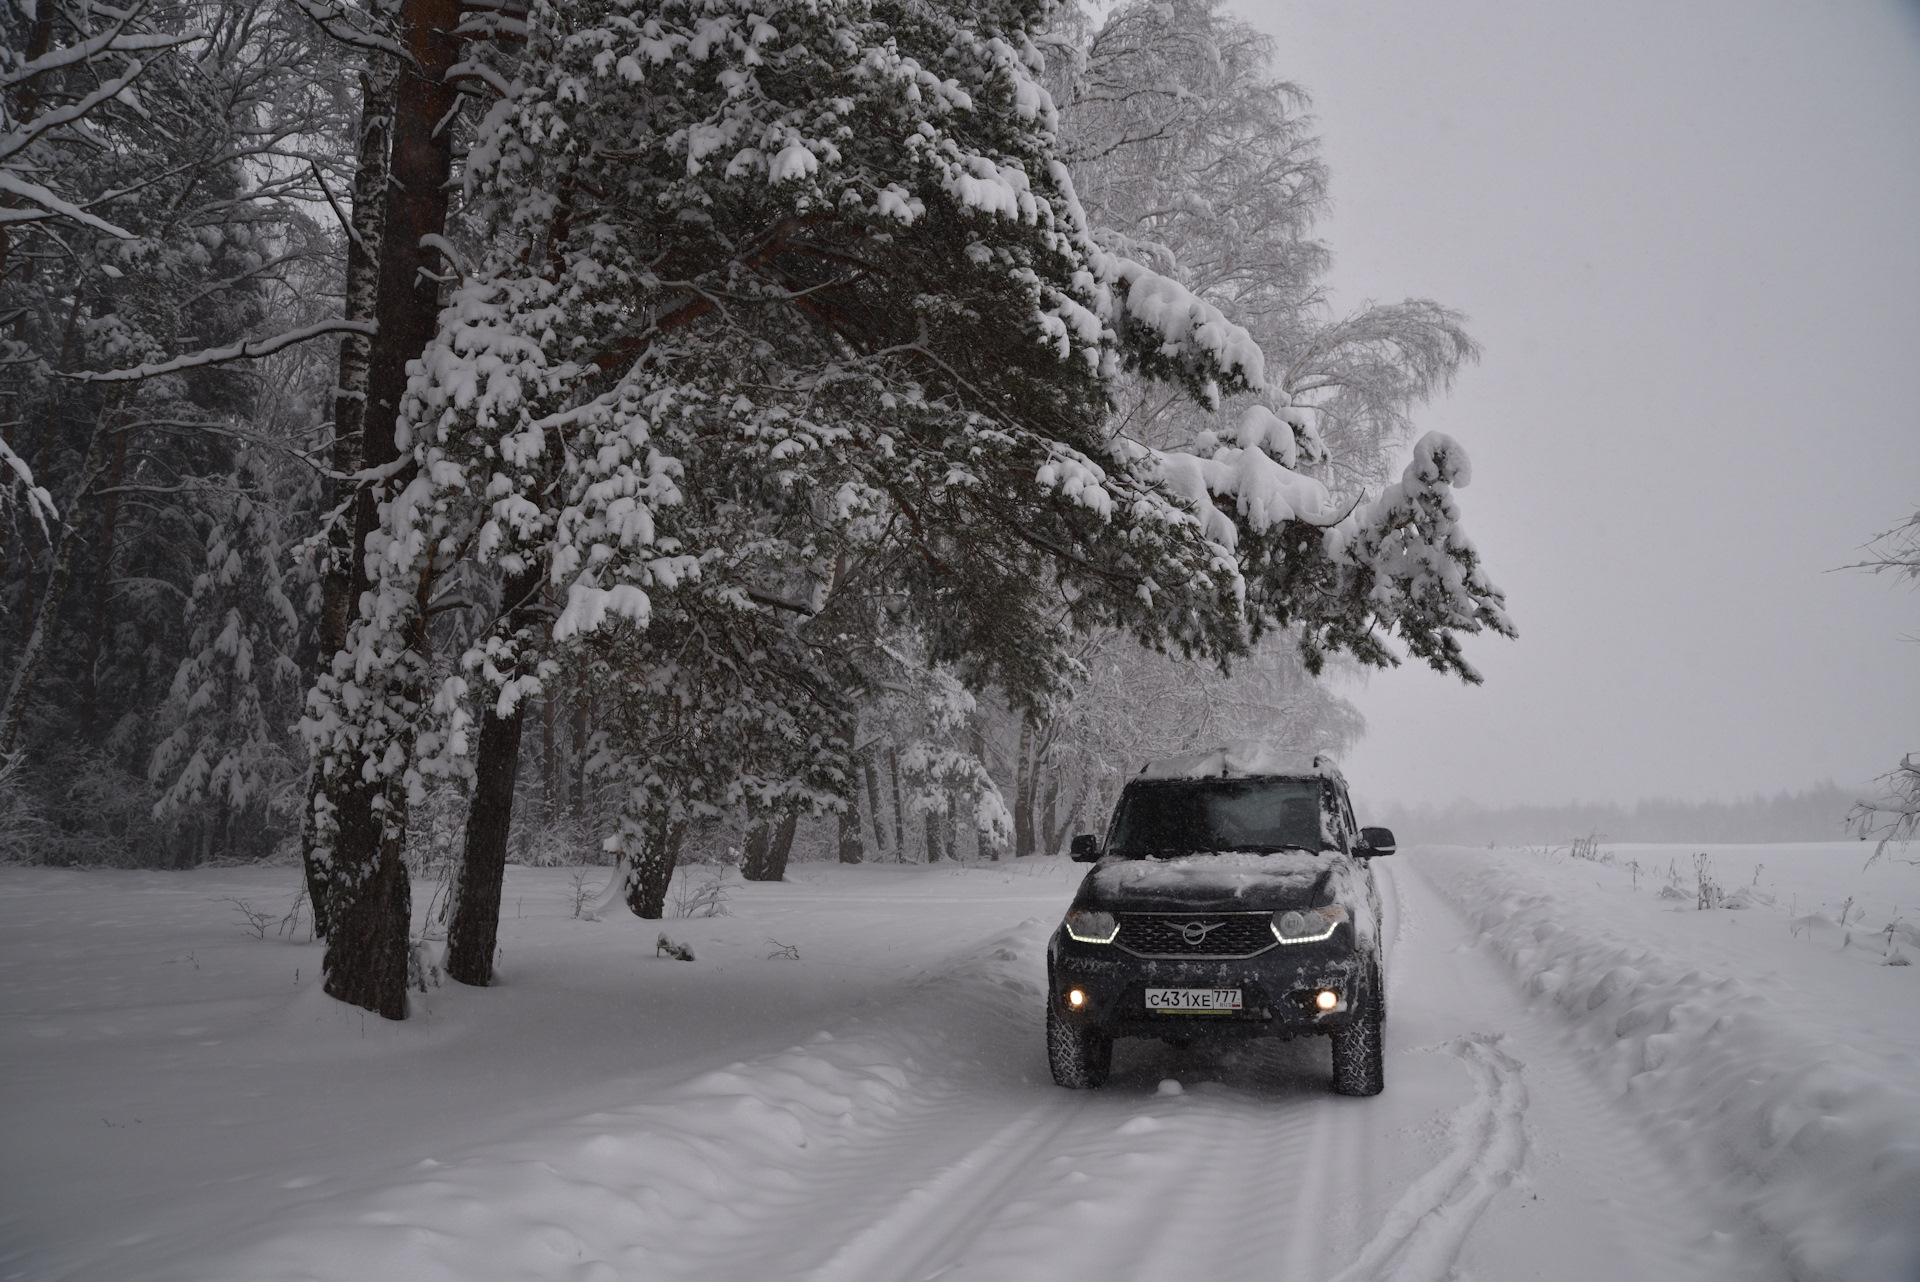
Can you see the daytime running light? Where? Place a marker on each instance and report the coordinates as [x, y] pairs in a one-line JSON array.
[[1092, 927], [1310, 927]]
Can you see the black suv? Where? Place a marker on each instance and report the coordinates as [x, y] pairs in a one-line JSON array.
[[1233, 898]]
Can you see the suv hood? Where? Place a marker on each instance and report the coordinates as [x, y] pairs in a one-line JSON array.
[[1228, 882]]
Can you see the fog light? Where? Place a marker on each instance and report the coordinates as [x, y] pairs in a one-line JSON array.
[[1076, 998], [1326, 999]]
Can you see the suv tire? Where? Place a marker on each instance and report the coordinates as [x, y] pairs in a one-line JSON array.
[[1358, 1054], [1079, 1054]]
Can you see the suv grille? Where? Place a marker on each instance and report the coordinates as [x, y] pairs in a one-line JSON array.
[[1196, 934]]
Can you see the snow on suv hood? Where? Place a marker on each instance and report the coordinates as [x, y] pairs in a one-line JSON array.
[[1222, 882]]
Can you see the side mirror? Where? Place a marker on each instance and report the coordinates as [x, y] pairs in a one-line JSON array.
[[1085, 848], [1375, 841]]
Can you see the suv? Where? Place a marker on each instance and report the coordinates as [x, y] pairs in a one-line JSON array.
[[1233, 897]]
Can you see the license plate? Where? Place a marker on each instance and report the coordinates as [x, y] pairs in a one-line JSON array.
[[1193, 1001]]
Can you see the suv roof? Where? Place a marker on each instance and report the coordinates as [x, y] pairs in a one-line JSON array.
[[1243, 760]]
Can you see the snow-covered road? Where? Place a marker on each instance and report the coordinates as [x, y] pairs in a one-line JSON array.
[[879, 1111]]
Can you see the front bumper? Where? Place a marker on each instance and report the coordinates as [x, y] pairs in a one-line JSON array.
[[1276, 989]]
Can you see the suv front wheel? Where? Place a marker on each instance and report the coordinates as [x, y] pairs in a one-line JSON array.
[[1358, 1055], [1079, 1054]]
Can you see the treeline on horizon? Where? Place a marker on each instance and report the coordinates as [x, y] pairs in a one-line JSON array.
[[1816, 814]]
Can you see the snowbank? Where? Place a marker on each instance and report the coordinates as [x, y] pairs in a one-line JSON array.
[[658, 1188], [1764, 1059]]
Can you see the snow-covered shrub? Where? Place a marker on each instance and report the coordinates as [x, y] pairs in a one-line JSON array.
[[1708, 892], [700, 894]]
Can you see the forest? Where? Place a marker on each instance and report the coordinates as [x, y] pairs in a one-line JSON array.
[[442, 433]]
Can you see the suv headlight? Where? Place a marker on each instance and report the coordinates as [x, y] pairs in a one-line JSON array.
[[1308, 926], [1092, 927]]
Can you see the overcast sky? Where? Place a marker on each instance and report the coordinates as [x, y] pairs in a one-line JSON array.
[[1689, 237]]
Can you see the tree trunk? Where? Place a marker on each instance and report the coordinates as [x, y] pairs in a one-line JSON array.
[[33, 651], [872, 776], [476, 918], [102, 580], [782, 846], [366, 957], [422, 163], [768, 848], [582, 726], [475, 930], [753, 858], [899, 810], [1060, 833], [653, 871], [365, 876], [1023, 792], [350, 401], [851, 850], [933, 837], [364, 252], [981, 846], [549, 768]]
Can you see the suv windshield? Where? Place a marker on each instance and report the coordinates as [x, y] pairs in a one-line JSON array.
[[1166, 818]]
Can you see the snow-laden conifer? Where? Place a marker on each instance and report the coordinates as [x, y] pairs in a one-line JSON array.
[[826, 258]]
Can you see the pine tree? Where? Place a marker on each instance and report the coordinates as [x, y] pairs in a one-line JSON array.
[[793, 310]]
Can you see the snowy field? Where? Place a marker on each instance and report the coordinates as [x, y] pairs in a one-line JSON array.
[[1587, 1078]]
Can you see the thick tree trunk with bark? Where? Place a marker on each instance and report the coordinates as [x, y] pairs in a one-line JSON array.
[[364, 248], [366, 957], [753, 857], [366, 878], [368, 223], [933, 837], [652, 872], [475, 929], [768, 846]]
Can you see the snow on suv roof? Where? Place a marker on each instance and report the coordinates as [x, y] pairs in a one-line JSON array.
[[1242, 760]]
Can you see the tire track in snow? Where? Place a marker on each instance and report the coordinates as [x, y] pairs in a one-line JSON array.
[[1242, 1160], [1421, 1235], [1587, 1143], [933, 1221]]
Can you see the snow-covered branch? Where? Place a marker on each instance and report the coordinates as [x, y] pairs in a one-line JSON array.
[[350, 26], [39, 502], [19, 139], [12, 183], [250, 350], [113, 40]]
